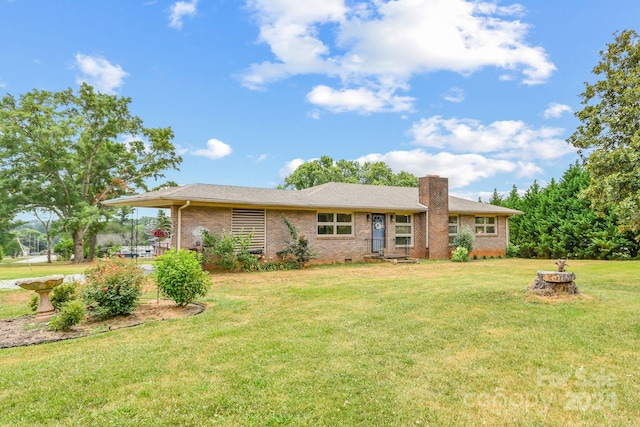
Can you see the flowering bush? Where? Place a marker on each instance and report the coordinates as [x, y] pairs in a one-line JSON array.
[[180, 277], [113, 287]]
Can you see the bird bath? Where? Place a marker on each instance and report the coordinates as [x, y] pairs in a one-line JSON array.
[[42, 286]]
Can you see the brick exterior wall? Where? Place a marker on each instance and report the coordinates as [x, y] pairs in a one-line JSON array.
[[434, 193], [419, 249], [488, 244], [329, 248]]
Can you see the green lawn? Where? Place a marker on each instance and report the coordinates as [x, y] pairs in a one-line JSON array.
[[437, 343], [9, 269]]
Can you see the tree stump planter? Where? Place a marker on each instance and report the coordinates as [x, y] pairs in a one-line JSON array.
[[552, 282]]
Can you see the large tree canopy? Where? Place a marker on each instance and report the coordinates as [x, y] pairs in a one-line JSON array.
[[325, 170], [66, 153], [609, 135]]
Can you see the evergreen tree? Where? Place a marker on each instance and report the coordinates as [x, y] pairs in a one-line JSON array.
[[560, 223]]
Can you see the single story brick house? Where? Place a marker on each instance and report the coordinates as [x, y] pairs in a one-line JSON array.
[[342, 221]]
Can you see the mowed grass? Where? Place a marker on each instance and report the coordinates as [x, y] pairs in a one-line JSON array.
[[437, 343], [10, 269]]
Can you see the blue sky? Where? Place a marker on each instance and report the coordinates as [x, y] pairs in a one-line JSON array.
[[481, 92]]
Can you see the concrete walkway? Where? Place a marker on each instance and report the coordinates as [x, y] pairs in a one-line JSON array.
[[36, 259]]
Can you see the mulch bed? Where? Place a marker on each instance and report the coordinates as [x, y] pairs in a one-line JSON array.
[[23, 330]]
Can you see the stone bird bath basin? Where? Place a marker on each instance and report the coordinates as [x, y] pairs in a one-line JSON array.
[[42, 285]]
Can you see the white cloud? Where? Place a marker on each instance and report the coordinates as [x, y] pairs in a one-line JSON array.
[[461, 169], [507, 139], [259, 158], [361, 100], [99, 73], [290, 167], [555, 110], [180, 150], [467, 150], [179, 10], [455, 94], [314, 114], [216, 149], [2, 84], [378, 46]]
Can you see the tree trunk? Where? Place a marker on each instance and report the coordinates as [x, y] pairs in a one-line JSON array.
[[48, 250], [78, 246], [92, 241]]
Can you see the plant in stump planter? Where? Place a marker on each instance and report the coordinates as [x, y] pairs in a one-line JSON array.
[[180, 277]]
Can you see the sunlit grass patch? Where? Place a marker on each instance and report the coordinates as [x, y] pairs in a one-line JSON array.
[[437, 343]]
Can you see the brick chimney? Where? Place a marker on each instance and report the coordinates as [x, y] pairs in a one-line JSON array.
[[434, 193]]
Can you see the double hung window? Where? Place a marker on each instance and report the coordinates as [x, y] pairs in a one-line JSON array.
[[335, 224], [454, 226], [404, 230], [486, 225]]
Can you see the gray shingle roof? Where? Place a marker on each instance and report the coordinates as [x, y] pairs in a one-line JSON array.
[[333, 195]]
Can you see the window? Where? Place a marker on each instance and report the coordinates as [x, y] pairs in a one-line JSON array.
[[454, 226], [486, 225], [335, 224], [404, 230]]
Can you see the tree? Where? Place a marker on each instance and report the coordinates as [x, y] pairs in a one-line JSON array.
[[69, 152], [7, 224], [325, 170], [609, 134], [50, 228], [559, 224], [496, 198]]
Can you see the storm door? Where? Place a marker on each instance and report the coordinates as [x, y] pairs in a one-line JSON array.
[[378, 233]]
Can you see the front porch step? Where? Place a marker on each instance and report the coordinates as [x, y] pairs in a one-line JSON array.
[[392, 258], [406, 260]]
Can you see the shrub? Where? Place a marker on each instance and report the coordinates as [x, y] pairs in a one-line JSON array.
[[71, 313], [64, 249], [33, 302], [465, 238], [248, 262], [62, 294], [229, 252], [460, 254], [180, 277], [220, 250], [1, 253], [113, 287], [58, 296], [512, 251], [298, 246]]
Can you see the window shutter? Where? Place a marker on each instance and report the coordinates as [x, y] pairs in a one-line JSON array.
[[247, 221]]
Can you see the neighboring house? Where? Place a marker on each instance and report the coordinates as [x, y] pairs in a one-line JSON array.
[[110, 239], [342, 221]]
